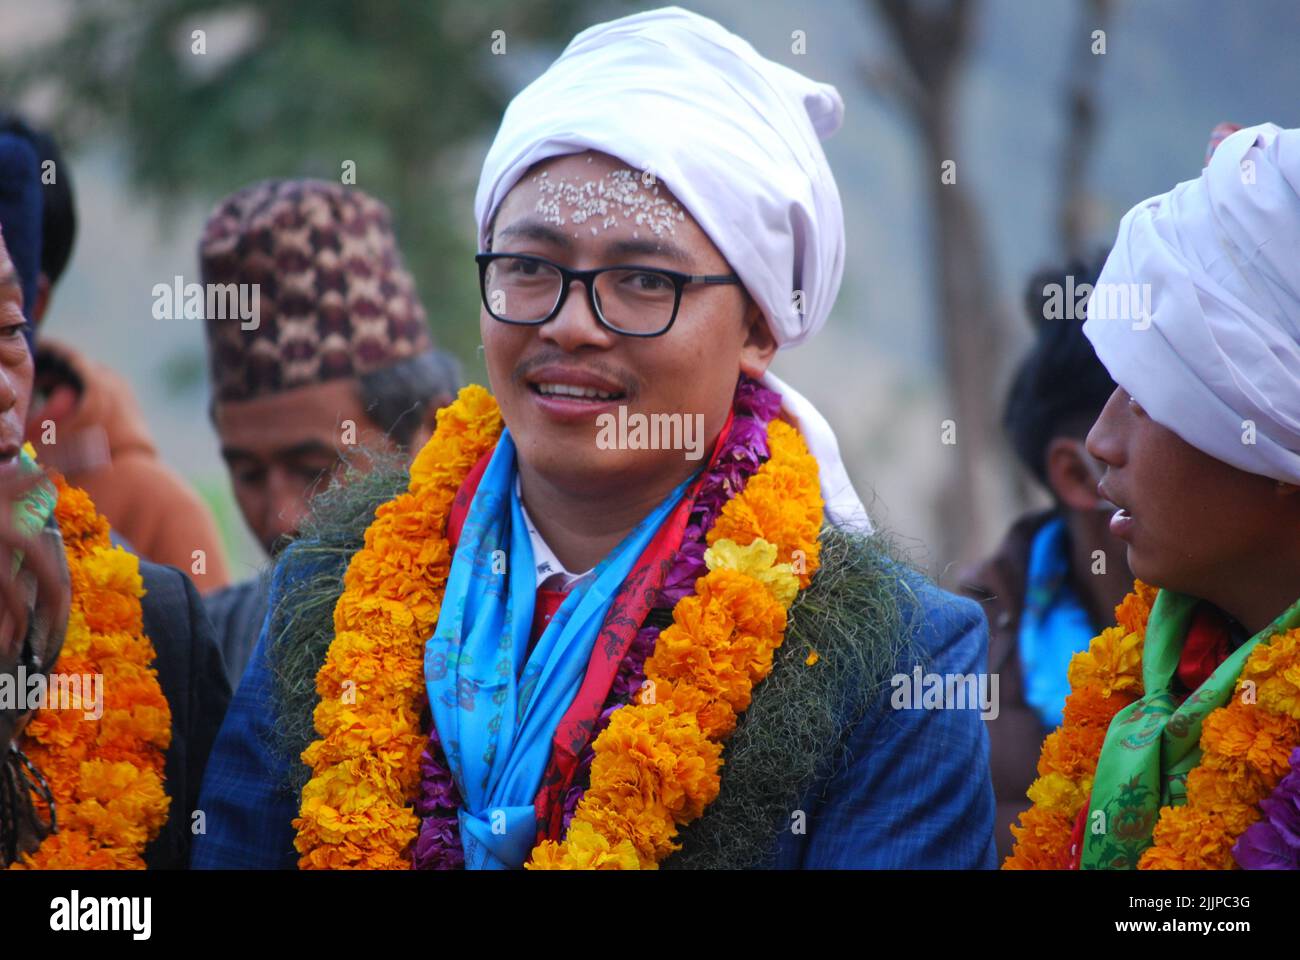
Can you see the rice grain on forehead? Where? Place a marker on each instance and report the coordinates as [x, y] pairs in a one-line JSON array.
[[618, 193]]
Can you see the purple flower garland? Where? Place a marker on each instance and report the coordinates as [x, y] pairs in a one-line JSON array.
[[1274, 842], [744, 451], [438, 845]]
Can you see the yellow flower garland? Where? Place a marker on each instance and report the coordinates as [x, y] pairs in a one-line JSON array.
[[106, 775], [1245, 748], [357, 808]]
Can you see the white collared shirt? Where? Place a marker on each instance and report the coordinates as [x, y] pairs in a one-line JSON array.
[[548, 564]]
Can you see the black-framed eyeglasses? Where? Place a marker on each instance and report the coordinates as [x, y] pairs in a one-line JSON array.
[[632, 300]]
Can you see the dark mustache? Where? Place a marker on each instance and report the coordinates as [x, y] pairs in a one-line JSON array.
[[561, 359]]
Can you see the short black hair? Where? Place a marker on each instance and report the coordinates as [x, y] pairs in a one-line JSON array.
[[397, 397], [1060, 387], [58, 211]]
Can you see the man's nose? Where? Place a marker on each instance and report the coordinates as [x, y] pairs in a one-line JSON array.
[[1103, 440], [8, 390], [576, 325], [286, 505]]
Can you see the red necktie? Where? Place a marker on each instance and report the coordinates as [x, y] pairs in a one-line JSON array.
[[548, 602]]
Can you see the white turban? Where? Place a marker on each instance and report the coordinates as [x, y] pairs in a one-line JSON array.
[[736, 138], [1196, 313]]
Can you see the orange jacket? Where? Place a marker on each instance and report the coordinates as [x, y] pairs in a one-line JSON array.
[[103, 446]]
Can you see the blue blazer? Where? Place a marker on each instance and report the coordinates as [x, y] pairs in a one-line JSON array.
[[913, 792]]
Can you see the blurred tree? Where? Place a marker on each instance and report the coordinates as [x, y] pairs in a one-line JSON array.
[[1077, 206], [932, 39], [208, 95]]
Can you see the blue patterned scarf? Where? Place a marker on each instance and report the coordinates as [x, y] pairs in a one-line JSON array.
[[497, 705]]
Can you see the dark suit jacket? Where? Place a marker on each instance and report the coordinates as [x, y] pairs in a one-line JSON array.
[[192, 675], [237, 613]]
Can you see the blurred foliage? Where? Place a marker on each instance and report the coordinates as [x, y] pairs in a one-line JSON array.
[[409, 90], [182, 370]]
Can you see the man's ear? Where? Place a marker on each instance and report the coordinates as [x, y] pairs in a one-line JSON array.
[[759, 348], [1070, 474]]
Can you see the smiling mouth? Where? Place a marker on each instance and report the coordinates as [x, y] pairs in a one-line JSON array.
[[573, 392]]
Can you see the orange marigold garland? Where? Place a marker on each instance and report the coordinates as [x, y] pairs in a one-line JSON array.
[[357, 808], [657, 764], [1245, 748], [1104, 679], [107, 774]]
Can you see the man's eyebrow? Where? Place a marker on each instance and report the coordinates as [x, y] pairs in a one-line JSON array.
[[646, 247], [307, 448], [535, 230]]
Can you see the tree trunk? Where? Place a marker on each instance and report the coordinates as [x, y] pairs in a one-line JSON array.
[[932, 41]]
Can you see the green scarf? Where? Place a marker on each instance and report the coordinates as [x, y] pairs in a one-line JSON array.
[[1152, 744]]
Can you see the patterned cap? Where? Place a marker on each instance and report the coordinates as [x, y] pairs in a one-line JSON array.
[[334, 299]]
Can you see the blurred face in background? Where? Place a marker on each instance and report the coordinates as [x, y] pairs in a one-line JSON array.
[[692, 368], [282, 448]]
